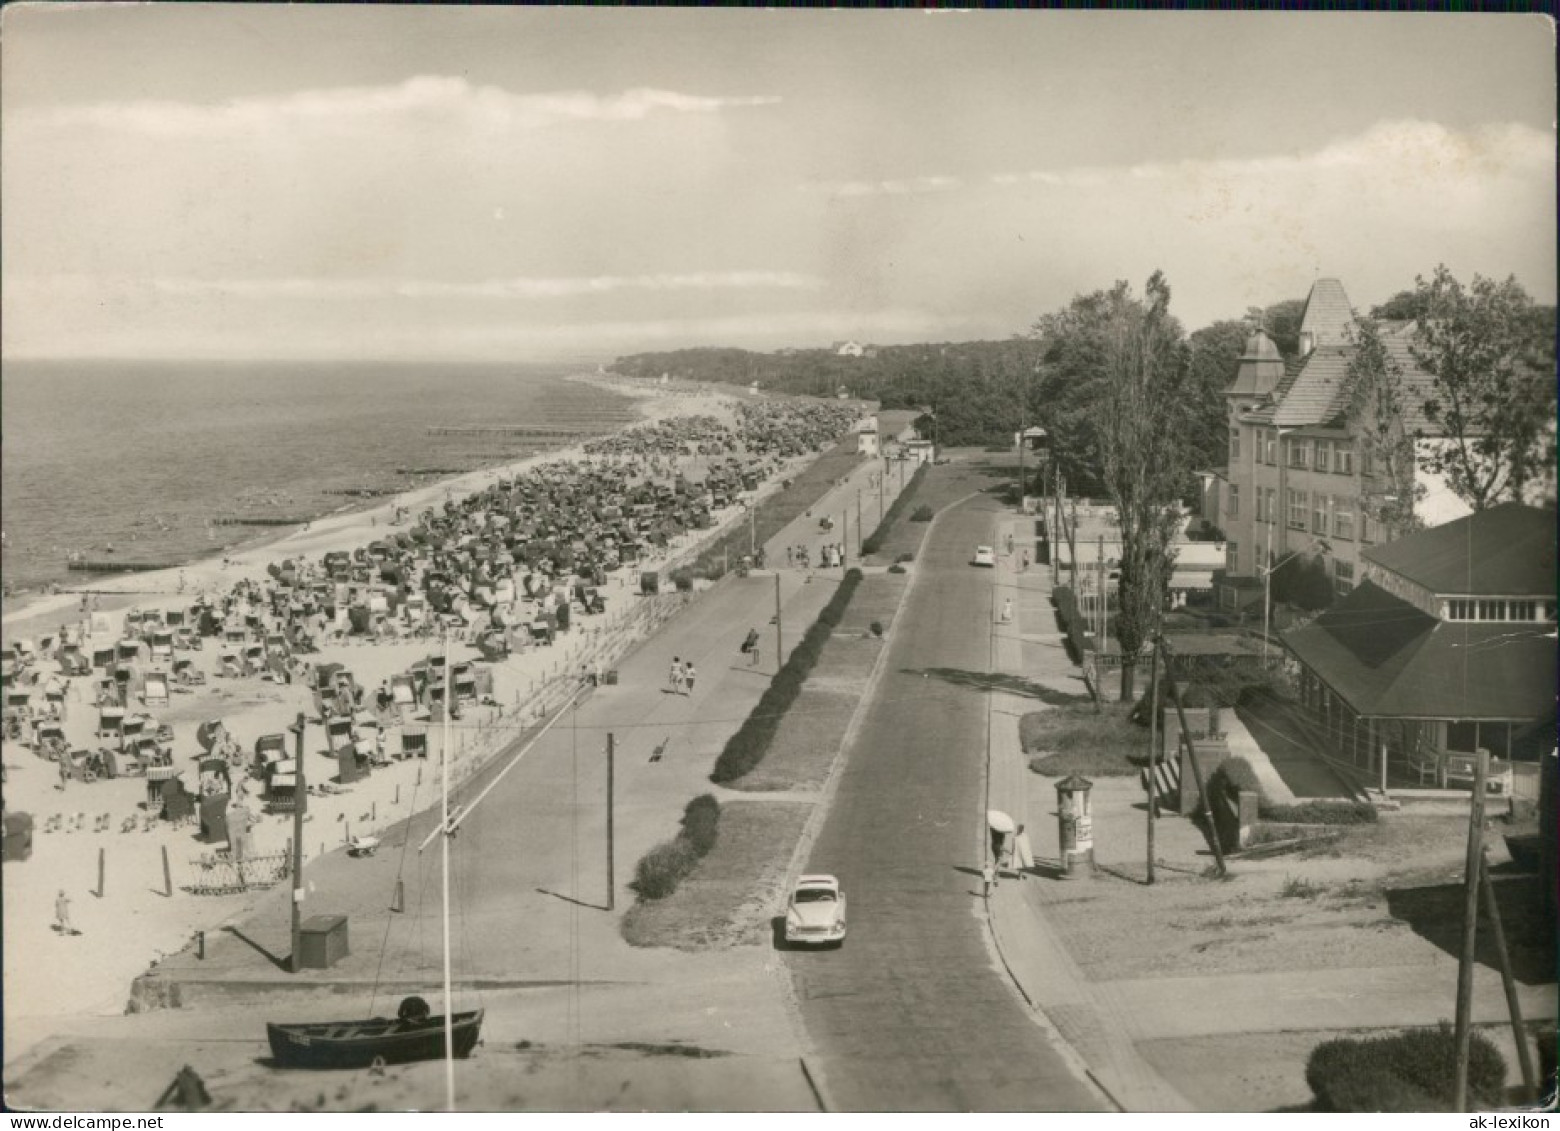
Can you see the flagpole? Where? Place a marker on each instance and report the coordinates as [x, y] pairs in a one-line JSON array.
[[444, 822]]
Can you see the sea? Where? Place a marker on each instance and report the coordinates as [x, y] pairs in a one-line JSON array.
[[145, 457]]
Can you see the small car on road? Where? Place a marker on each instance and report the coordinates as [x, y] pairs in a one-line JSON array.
[[815, 914], [985, 556]]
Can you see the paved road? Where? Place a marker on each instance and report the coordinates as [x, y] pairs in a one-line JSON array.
[[911, 1014]]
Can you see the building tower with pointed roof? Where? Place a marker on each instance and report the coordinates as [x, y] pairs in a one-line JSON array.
[[1300, 482]]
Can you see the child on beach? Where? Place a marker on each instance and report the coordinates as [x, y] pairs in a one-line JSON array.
[[62, 922]]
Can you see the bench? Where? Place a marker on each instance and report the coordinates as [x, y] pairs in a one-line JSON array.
[[1457, 766]]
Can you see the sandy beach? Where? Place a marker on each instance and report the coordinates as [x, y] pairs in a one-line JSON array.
[[98, 844]]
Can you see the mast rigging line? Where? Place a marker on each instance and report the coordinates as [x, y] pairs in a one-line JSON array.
[[449, 825]]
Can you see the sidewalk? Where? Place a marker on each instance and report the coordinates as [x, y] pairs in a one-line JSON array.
[[1088, 1020], [1104, 1021]]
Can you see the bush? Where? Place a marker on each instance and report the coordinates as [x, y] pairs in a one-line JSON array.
[[903, 558], [896, 568], [662, 868], [682, 578], [877, 628], [746, 749], [701, 824], [923, 513], [1321, 813], [1414, 1068], [1231, 776]]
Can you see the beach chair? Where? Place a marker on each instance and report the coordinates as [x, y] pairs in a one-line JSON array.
[[111, 723], [155, 693], [162, 646], [230, 665], [403, 691], [414, 743], [339, 733], [127, 650]]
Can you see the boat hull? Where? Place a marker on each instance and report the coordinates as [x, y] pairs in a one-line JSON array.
[[358, 1044]]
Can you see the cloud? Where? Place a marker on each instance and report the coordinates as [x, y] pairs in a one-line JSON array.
[[907, 187], [384, 288], [1402, 148], [439, 97]]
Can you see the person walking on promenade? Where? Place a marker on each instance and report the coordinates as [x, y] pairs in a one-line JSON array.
[[675, 677], [62, 922], [1007, 610], [688, 678], [1024, 566], [988, 878]]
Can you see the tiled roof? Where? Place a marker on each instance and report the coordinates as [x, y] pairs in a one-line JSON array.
[[1319, 393], [1328, 315], [1507, 550], [1387, 659]]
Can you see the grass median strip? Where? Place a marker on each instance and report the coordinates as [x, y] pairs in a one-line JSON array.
[[746, 749], [874, 541]]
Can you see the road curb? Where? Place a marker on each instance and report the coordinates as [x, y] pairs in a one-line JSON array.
[[853, 728]]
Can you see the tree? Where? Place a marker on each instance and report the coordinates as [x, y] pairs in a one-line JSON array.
[[1378, 403], [1143, 421], [1282, 323], [1213, 356], [1405, 306], [1490, 356]]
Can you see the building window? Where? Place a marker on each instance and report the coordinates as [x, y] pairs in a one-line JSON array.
[[1319, 515], [1492, 610], [1367, 528], [1232, 557], [1458, 609], [1549, 611], [1343, 458], [1343, 519], [1343, 576], [1270, 448], [1298, 503], [1234, 507], [1521, 610], [1367, 462], [1323, 455], [1299, 453], [1234, 444]]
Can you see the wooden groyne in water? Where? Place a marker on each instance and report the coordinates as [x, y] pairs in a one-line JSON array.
[[537, 431], [257, 521], [119, 567]]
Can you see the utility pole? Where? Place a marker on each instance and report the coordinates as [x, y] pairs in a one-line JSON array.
[[300, 799], [1099, 573], [779, 636], [1513, 1006], [1153, 758], [844, 537], [611, 882], [859, 534], [752, 529], [1470, 932]]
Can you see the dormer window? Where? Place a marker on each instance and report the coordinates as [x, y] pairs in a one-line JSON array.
[[1307, 343]]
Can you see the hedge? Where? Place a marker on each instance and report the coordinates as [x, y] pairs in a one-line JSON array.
[[660, 870], [875, 540], [1321, 813], [1231, 776], [1410, 1071], [746, 749]]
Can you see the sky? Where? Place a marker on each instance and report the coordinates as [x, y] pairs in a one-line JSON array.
[[298, 182]]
